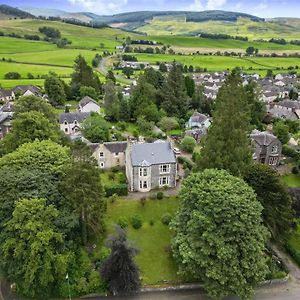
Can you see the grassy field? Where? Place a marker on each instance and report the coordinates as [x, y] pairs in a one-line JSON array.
[[82, 37], [198, 42], [243, 27], [154, 259], [221, 63], [292, 180]]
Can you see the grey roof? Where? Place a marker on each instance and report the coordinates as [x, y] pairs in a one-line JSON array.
[[73, 116], [262, 138], [198, 118], [23, 88], [4, 116], [5, 93], [116, 147], [85, 100], [289, 104], [152, 154]]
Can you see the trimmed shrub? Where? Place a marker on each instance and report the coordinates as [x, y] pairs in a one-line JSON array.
[[295, 254], [160, 195], [185, 161], [122, 222], [295, 170], [119, 189], [136, 221], [166, 219]]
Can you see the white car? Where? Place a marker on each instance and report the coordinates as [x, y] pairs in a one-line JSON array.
[[176, 151]]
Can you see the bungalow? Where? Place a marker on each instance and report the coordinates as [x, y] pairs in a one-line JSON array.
[[267, 148], [70, 123], [88, 105], [150, 166]]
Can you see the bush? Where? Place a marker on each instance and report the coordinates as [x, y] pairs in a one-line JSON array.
[[295, 170], [136, 222], [160, 195], [166, 219], [185, 161], [119, 189], [295, 254], [122, 222], [151, 222], [290, 152], [12, 75], [188, 144]]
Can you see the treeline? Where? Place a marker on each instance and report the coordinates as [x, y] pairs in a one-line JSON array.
[[219, 36]]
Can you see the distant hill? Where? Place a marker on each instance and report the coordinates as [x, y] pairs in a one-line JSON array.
[[7, 11]]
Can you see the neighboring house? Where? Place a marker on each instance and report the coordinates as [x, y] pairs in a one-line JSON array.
[[70, 123], [198, 120], [7, 95], [27, 90], [267, 148], [5, 123], [150, 166], [285, 109], [110, 154], [88, 104]]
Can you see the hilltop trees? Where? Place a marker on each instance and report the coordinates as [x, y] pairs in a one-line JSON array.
[[227, 144], [119, 270], [219, 237]]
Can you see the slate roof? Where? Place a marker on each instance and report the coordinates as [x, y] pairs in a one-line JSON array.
[[23, 88], [4, 117], [5, 93], [116, 147], [289, 104], [198, 118], [152, 154], [73, 116], [262, 138], [85, 100]]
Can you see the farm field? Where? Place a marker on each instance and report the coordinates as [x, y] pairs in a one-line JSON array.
[[152, 241], [82, 37], [198, 42], [221, 63], [242, 27]]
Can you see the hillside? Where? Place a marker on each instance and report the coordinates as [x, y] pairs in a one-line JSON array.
[[7, 12]]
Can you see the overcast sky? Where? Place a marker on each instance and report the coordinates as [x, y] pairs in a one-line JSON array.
[[261, 8]]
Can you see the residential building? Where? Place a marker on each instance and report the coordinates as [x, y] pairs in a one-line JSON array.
[[198, 120], [267, 148], [27, 90], [150, 166], [5, 123], [110, 154], [7, 95], [88, 104], [70, 123], [285, 109]]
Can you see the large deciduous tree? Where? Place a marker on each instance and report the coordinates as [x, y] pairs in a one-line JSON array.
[[219, 238], [273, 194], [32, 254], [120, 270], [227, 145], [55, 90]]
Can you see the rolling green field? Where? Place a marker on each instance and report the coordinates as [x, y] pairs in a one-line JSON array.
[[221, 63], [154, 259], [243, 27], [82, 37], [198, 42]]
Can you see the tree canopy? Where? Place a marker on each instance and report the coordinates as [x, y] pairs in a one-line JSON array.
[[219, 238]]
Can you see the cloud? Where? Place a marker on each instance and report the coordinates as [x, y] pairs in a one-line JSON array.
[[100, 6], [199, 5], [261, 6]]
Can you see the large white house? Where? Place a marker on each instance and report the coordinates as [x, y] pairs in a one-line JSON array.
[[88, 105], [70, 123]]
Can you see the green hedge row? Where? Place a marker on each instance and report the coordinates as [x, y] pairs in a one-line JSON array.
[[119, 189], [295, 254]]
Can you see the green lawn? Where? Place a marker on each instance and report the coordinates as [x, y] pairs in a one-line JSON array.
[[155, 261], [292, 180]]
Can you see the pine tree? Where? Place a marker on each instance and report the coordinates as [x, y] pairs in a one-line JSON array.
[[174, 97], [119, 270], [227, 145], [111, 101]]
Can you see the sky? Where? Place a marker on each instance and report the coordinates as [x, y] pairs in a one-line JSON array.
[[261, 8]]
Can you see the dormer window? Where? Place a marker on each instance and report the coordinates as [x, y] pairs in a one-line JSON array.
[[75, 122], [274, 149]]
